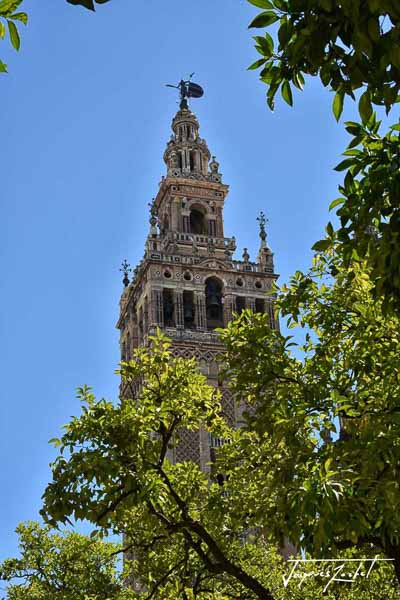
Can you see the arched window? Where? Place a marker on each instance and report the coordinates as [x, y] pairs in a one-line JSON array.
[[260, 305], [214, 303], [168, 308], [240, 304], [197, 222], [165, 224], [188, 310]]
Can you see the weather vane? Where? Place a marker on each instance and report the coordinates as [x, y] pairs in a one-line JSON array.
[[262, 220], [125, 269], [187, 89]]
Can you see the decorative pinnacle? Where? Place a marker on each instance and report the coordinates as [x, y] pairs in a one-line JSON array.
[[262, 220], [125, 269], [153, 212]]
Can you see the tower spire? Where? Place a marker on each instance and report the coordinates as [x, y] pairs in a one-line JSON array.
[[265, 256]]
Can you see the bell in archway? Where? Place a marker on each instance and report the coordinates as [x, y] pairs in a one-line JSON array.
[[188, 313], [213, 301]]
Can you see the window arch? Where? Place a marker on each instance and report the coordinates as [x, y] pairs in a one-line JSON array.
[[214, 308], [197, 222]]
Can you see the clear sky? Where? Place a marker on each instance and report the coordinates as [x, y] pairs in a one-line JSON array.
[[85, 117]]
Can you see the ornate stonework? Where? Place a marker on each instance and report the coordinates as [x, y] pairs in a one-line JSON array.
[[188, 283]]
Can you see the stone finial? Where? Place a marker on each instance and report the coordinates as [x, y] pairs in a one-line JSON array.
[[211, 246], [246, 255], [125, 269], [214, 165], [153, 217]]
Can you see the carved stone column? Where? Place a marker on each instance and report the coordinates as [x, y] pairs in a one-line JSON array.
[[270, 310], [179, 309], [145, 317], [229, 307], [156, 309]]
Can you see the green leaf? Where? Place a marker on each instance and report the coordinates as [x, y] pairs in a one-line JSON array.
[[14, 35], [257, 64], [264, 19], [23, 17], [336, 203], [298, 80], [345, 164], [7, 7], [287, 92], [2, 30], [337, 106], [261, 3], [266, 44], [321, 245], [3, 67], [365, 107]]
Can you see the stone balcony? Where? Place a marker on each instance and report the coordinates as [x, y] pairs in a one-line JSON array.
[[199, 240]]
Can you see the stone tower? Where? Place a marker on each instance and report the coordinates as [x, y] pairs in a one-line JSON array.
[[188, 282]]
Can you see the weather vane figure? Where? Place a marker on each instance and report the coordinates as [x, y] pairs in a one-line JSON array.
[[187, 89]]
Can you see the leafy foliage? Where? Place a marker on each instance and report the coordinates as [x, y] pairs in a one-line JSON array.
[[9, 19], [349, 45], [352, 45], [327, 419], [66, 566], [191, 534]]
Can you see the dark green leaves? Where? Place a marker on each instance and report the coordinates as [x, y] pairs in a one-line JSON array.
[[9, 16], [14, 35], [261, 3], [335, 203], [365, 107], [264, 19], [321, 245], [264, 45], [287, 93], [9, 6], [256, 64], [331, 41], [337, 106]]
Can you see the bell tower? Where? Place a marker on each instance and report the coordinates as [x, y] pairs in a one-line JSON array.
[[188, 282]]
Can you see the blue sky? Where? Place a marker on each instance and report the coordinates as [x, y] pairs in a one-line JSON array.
[[85, 119]]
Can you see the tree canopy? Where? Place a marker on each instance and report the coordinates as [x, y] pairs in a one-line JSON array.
[[65, 566], [353, 47], [282, 474]]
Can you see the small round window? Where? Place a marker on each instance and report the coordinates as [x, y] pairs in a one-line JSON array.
[[187, 276], [167, 274], [258, 285], [239, 282]]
